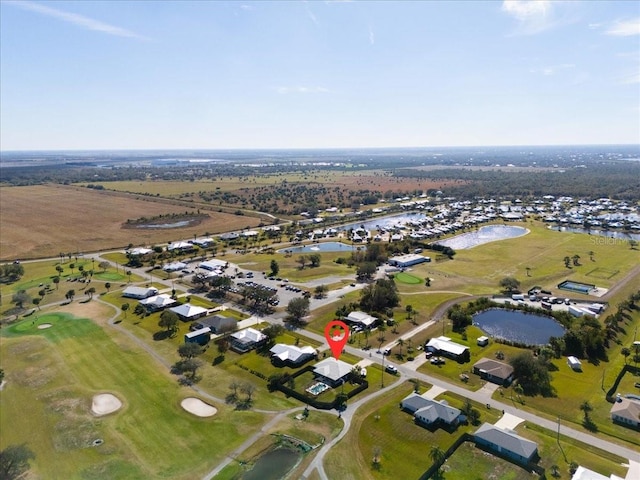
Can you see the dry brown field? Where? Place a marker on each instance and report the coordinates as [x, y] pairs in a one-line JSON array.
[[374, 180], [41, 221]]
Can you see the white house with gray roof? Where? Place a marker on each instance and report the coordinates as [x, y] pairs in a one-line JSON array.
[[247, 340], [429, 412], [506, 443], [331, 371], [626, 411], [291, 355]]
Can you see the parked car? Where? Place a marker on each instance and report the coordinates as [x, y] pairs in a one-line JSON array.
[[391, 369]]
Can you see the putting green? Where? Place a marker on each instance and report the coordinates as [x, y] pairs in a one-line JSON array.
[[110, 276], [407, 278]]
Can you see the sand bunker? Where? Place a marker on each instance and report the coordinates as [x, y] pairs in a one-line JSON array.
[[105, 403], [197, 407], [44, 325]]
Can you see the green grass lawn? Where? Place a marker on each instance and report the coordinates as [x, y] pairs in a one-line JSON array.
[[476, 270], [38, 275], [52, 375], [407, 278], [381, 423]]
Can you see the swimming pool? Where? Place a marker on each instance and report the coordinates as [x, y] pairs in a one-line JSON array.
[[319, 247], [317, 388], [576, 287]]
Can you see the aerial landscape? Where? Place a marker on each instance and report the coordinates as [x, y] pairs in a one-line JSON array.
[[320, 240]]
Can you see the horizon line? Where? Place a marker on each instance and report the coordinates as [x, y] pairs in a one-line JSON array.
[[240, 149]]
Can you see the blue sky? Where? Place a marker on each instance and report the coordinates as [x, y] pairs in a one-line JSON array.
[[165, 75]]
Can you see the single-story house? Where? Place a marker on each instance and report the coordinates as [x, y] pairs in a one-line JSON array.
[[362, 319], [217, 324], [506, 443], [332, 372], [213, 264], [291, 355], [626, 411], [444, 346], [229, 236], [139, 292], [188, 312], [201, 336], [174, 266], [582, 473], [574, 363], [247, 340], [158, 302], [136, 252], [203, 242], [404, 261], [182, 246], [494, 371], [429, 412]]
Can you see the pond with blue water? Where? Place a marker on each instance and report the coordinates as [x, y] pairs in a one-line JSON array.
[[486, 234], [516, 326], [319, 247], [273, 465]]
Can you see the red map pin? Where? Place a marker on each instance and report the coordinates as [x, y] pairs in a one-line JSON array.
[[336, 333]]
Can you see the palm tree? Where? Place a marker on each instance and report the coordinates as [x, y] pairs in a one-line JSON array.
[[400, 344], [625, 353], [586, 408], [438, 457], [567, 261], [576, 259]]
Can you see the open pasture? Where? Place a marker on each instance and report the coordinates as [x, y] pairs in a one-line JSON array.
[[41, 221], [373, 180], [52, 375]]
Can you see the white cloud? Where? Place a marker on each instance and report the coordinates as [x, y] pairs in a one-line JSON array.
[[76, 19], [301, 89], [372, 36], [246, 8], [533, 16], [624, 28], [526, 9]]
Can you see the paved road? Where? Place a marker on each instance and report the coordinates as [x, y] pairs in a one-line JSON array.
[[482, 396]]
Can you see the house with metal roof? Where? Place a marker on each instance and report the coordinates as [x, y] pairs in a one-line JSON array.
[[139, 292], [188, 312], [583, 473], [506, 443], [291, 355], [362, 319], [444, 346], [246, 340], [331, 371], [158, 302], [217, 323]]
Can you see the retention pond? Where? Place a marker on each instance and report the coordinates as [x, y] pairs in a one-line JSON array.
[[520, 327]]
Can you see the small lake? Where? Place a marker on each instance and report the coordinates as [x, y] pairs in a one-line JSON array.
[[273, 465], [180, 224], [321, 247], [388, 222], [518, 326], [486, 234]]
